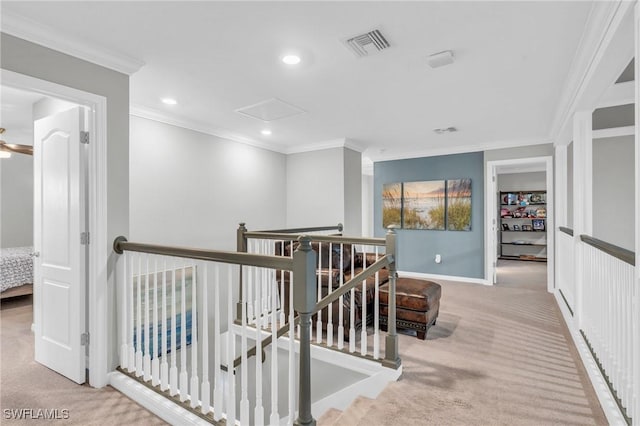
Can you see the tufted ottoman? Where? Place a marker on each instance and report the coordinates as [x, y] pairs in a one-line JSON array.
[[417, 304]]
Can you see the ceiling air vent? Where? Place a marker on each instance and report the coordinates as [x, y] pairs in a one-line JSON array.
[[367, 44], [445, 130]]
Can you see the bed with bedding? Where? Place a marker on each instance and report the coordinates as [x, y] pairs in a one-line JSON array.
[[16, 271]]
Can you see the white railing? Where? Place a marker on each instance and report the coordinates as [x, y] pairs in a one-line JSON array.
[[352, 322], [566, 267], [606, 319], [209, 328]]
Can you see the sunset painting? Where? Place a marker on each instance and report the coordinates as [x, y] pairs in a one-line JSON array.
[[423, 205], [459, 205], [391, 204]]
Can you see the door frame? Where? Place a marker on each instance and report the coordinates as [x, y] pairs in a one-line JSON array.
[[97, 294], [491, 214]]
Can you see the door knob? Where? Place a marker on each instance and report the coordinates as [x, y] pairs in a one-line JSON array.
[[36, 254]]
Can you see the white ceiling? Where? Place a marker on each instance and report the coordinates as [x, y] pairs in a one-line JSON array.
[[512, 61], [16, 115]]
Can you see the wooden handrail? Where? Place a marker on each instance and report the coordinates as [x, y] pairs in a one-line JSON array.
[[336, 239], [337, 227], [566, 230], [623, 254], [121, 244], [343, 289]]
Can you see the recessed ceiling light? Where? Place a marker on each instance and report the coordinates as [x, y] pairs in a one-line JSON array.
[[266, 132], [291, 59], [169, 101]]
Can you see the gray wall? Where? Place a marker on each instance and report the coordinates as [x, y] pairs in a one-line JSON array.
[[570, 185], [462, 252], [315, 188], [192, 189], [530, 181], [30, 59], [352, 192], [613, 191], [544, 150], [16, 180]]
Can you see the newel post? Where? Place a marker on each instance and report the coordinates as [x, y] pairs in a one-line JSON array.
[[304, 302], [391, 354], [241, 248]]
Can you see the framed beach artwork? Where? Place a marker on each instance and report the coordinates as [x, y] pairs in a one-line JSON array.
[[148, 303], [423, 205], [391, 204], [459, 205]]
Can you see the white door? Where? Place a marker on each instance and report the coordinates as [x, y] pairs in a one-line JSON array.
[[59, 265]]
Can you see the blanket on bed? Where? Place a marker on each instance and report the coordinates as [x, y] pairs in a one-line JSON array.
[[16, 267]]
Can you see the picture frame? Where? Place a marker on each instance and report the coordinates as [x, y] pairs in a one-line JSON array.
[[505, 227], [516, 227], [538, 224], [526, 227]]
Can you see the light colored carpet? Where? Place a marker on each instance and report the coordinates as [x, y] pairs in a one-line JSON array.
[[26, 384], [498, 355]]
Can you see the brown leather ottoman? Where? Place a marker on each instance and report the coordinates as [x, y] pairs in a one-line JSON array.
[[417, 304]]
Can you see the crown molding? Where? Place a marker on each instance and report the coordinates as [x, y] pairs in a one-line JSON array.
[[604, 20], [458, 150], [162, 117], [44, 35]]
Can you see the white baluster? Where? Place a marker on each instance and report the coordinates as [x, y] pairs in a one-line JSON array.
[[329, 291], [205, 391], [275, 417], [195, 382], [352, 305], [244, 401], [259, 409], [341, 302], [131, 326], [376, 313], [282, 314], [173, 371], [319, 314], [249, 295], [139, 339], [363, 301], [155, 363], [218, 383], [147, 327], [164, 365], [124, 348], [231, 351], [292, 356], [184, 379]]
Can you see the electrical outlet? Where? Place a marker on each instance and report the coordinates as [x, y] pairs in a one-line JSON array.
[[438, 258]]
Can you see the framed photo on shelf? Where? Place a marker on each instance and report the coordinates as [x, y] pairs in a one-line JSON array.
[[538, 224], [526, 227], [505, 227], [516, 227]]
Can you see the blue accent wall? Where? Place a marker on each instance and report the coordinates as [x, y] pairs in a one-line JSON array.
[[462, 251]]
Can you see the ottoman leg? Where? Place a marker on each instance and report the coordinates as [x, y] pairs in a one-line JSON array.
[[422, 335]]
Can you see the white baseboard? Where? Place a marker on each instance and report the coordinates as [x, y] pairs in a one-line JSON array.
[[607, 401], [443, 277], [160, 406]]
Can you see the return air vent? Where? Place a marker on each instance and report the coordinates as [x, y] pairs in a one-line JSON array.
[[367, 44]]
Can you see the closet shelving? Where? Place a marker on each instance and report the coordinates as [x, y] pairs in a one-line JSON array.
[[523, 225]]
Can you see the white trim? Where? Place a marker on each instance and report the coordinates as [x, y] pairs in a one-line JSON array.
[[617, 94], [602, 24], [97, 286], [449, 150], [607, 401], [491, 214], [613, 132], [159, 405], [52, 38], [163, 117], [422, 275], [636, 311]]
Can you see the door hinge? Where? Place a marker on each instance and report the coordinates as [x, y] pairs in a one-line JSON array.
[[84, 137], [84, 238], [84, 339], [493, 178]]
